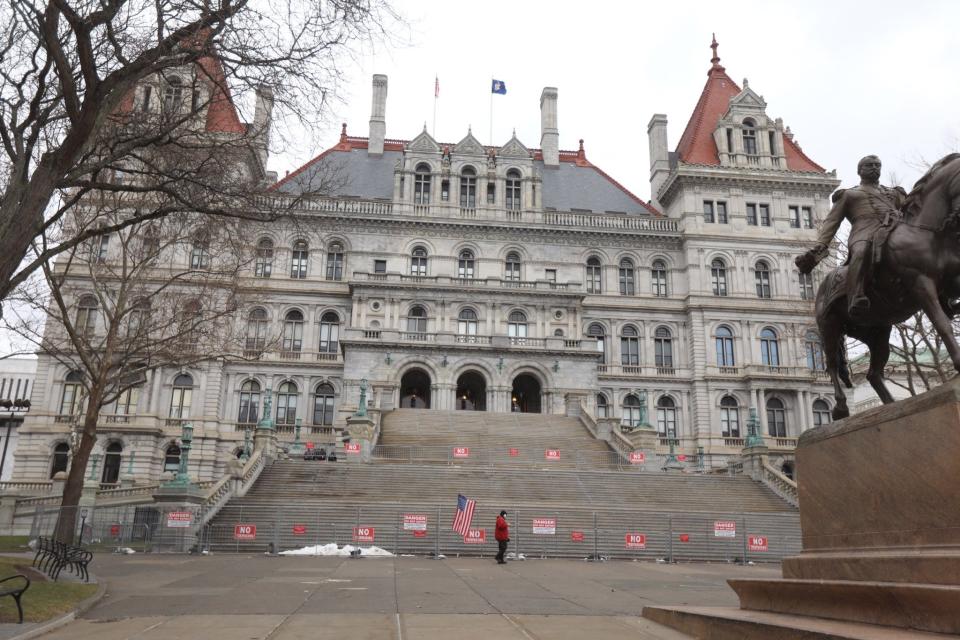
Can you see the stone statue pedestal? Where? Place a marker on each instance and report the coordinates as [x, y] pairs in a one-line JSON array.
[[361, 430], [880, 515], [646, 439]]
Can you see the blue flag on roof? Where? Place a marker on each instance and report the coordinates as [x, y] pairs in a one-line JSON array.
[[498, 86]]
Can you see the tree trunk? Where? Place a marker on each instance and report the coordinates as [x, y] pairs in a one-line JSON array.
[[73, 489]]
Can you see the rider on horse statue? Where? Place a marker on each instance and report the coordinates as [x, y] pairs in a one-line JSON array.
[[871, 209]]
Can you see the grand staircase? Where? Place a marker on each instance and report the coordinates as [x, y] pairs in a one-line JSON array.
[[295, 503]]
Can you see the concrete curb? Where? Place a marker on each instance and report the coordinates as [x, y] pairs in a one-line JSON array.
[[47, 627]]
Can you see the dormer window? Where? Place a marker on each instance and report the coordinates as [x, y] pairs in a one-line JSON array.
[[513, 190], [421, 184], [749, 137], [468, 188], [173, 96]]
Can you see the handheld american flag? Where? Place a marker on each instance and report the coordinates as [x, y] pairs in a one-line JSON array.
[[465, 507]]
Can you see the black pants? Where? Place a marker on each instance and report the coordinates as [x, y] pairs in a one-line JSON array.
[[502, 545]]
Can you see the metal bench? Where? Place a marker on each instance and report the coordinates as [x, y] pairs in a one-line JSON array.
[[11, 589], [53, 556]]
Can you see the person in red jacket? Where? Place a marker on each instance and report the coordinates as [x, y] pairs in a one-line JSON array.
[[502, 534]]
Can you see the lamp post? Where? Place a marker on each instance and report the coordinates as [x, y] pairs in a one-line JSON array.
[[182, 479], [22, 404]]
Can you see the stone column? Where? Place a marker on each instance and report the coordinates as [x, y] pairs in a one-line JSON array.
[[762, 411]]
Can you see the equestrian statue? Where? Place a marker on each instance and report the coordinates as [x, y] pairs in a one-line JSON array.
[[904, 256]]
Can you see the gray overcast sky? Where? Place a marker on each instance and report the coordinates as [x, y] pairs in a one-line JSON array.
[[848, 78]]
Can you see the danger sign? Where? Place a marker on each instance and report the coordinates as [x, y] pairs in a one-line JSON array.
[[363, 534], [637, 457], [756, 543], [179, 519], [725, 529], [114, 531], [461, 452], [414, 522], [552, 454], [576, 536], [514, 452], [245, 532], [681, 457], [635, 541], [309, 445], [299, 529], [684, 537], [352, 447], [475, 536], [545, 526]]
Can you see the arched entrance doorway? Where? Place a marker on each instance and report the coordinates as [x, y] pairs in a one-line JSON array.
[[415, 390], [525, 397], [471, 392]]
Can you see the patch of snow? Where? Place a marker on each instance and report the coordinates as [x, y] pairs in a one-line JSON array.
[[125, 550], [333, 550]]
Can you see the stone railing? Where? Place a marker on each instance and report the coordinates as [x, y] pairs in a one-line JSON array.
[[231, 485], [26, 487], [440, 338], [780, 484], [470, 283]]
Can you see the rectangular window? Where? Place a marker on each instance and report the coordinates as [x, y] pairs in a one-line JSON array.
[[379, 266], [550, 275], [794, 216], [722, 212], [772, 139], [751, 213], [491, 194], [708, 211], [445, 190], [729, 140], [806, 286], [145, 105], [764, 215], [807, 217]]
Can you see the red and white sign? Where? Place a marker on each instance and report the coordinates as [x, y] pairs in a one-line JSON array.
[[576, 536], [684, 537], [545, 526], [725, 529], [414, 522], [114, 531], [635, 541], [514, 452], [756, 543], [245, 532], [352, 447], [179, 519], [682, 457], [475, 536], [309, 445], [419, 534], [461, 452], [637, 457], [299, 529], [363, 534], [552, 454]]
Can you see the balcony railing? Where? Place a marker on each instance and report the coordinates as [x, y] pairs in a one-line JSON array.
[[632, 370], [473, 283], [441, 338]]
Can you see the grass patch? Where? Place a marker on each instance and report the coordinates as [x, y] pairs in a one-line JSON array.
[[43, 600], [14, 543]]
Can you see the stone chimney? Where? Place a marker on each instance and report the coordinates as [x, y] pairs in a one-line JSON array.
[[549, 136], [659, 155], [378, 115], [262, 119]]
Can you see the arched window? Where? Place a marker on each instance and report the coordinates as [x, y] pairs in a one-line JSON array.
[[512, 266], [287, 403], [821, 413], [111, 463], [594, 275], [718, 275], [603, 407], [762, 275], [299, 257], [465, 264], [517, 327], [468, 188], [631, 411], [663, 347], [200, 253], [264, 264], [293, 331], [729, 417], [725, 347], [329, 333], [558, 333], [749, 137], [256, 330], [776, 418], [417, 320], [667, 417], [335, 261], [171, 458], [658, 278], [86, 323], [814, 349], [513, 190], [61, 459], [72, 400], [596, 331], [173, 96], [249, 402], [418, 262], [323, 405], [769, 348], [421, 184], [627, 279], [467, 325], [629, 346], [181, 397]]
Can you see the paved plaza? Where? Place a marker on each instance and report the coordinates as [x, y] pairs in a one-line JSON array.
[[240, 597]]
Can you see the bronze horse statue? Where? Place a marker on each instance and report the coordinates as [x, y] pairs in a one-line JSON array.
[[918, 268]]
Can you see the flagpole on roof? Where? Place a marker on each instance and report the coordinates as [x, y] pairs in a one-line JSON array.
[[490, 138], [436, 94]]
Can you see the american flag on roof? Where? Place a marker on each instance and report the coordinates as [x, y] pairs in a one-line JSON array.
[[465, 507]]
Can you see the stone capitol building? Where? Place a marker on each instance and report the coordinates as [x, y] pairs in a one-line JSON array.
[[514, 278]]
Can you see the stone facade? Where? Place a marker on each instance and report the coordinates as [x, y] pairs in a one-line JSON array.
[[461, 276]]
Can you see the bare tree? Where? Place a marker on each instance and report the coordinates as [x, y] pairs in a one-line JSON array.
[[97, 96], [156, 294]]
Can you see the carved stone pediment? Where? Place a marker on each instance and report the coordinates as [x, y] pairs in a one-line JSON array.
[[469, 146], [514, 149], [424, 143]]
